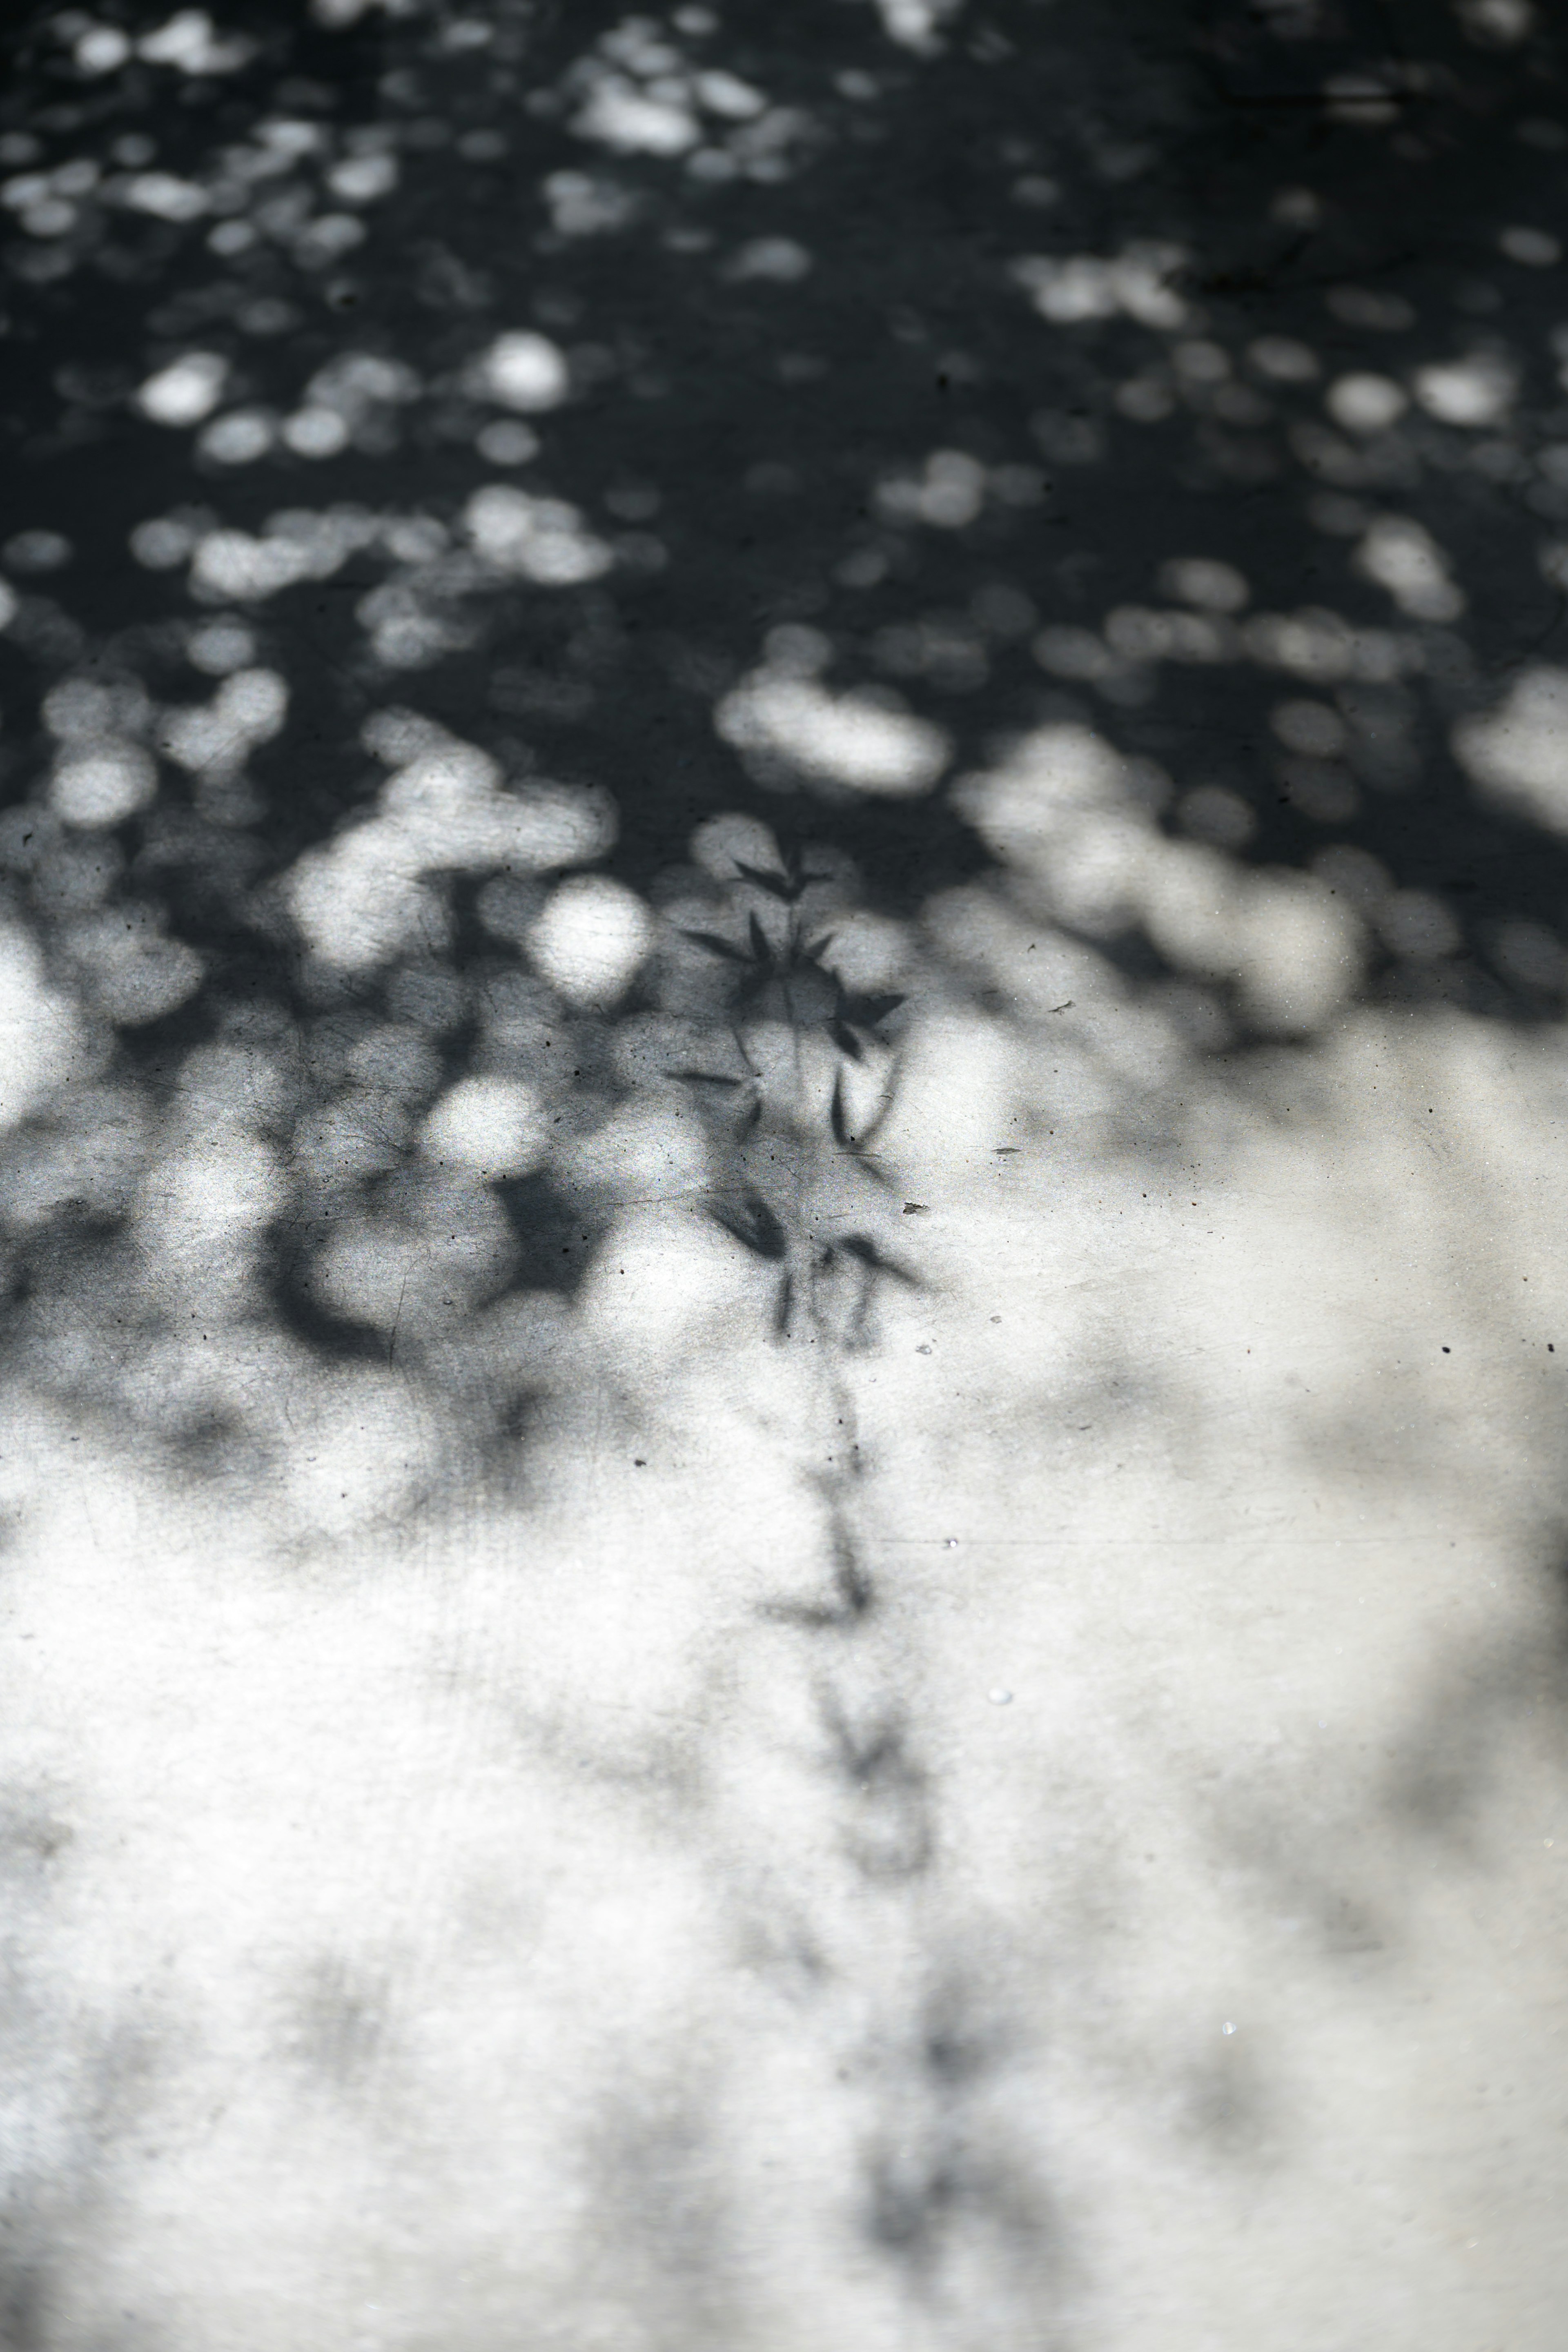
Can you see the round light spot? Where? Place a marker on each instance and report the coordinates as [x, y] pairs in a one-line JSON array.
[[494, 1126], [186, 390], [590, 938], [1366, 404], [238, 438], [524, 371], [315, 433], [102, 50], [104, 787], [219, 647]]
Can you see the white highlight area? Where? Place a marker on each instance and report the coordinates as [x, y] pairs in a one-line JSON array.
[[1068, 288], [787, 726], [1406, 560], [1519, 752], [522, 370], [102, 786], [38, 1035], [494, 1126], [1076, 820], [1476, 391], [542, 540], [590, 938], [368, 896], [186, 390]]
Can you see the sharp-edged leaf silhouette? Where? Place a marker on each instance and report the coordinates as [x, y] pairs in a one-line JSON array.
[[704, 1079], [717, 946], [753, 1223], [782, 1305], [761, 946], [840, 1123], [870, 1010], [846, 1040]]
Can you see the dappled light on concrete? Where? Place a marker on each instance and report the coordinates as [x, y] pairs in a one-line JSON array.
[[782, 989]]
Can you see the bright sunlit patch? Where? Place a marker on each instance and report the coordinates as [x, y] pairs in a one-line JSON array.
[[1476, 391], [238, 438], [103, 787], [590, 938], [131, 968], [38, 1035], [364, 898], [625, 118], [315, 432], [794, 725], [218, 646], [1519, 752], [542, 540], [1073, 289], [214, 739], [102, 50], [1366, 404], [495, 1126], [1405, 559], [163, 196], [190, 42], [360, 179], [186, 390], [948, 494], [522, 370]]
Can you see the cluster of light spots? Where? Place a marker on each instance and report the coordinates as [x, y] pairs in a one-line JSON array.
[[947, 494], [213, 740], [542, 540], [1072, 289], [789, 727], [1403, 558], [102, 774], [188, 42], [637, 93], [367, 896], [1079, 819]]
